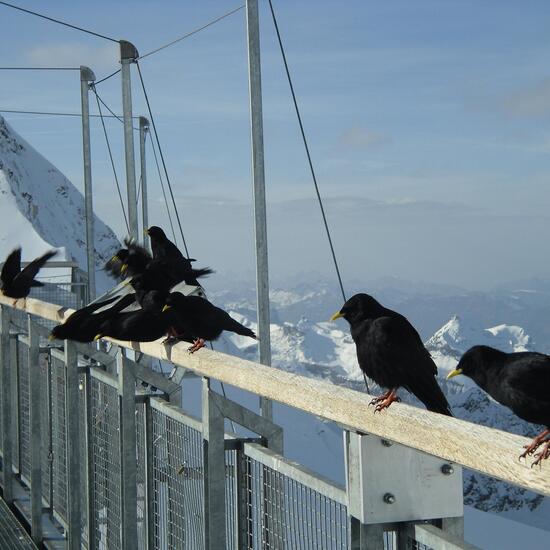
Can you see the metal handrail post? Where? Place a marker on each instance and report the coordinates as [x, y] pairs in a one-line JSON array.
[[7, 409], [143, 129], [87, 77], [128, 460], [72, 426], [258, 182], [128, 55], [214, 467]]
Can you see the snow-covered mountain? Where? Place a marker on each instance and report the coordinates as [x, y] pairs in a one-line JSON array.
[[40, 208], [304, 342]]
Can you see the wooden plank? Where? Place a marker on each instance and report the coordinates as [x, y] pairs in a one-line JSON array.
[[492, 452]]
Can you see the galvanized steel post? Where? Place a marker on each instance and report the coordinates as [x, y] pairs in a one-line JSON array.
[[128, 461], [258, 182], [214, 462], [35, 405], [92, 514], [128, 55], [7, 409], [143, 129], [87, 77], [72, 424]]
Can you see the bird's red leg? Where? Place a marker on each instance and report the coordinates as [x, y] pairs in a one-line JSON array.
[[543, 455], [535, 444], [392, 396], [198, 343], [377, 400]]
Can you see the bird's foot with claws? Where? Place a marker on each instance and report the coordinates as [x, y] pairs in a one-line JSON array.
[[197, 344], [535, 444], [543, 455], [380, 398], [385, 403]]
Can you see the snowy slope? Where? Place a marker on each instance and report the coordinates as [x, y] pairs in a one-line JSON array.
[[40, 208]]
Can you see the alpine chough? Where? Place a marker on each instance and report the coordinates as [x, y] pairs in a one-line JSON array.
[[519, 381], [391, 352], [198, 317], [17, 282]]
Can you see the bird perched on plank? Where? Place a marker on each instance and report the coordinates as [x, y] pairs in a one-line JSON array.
[[83, 324], [202, 319], [128, 261], [391, 352], [159, 273], [17, 282], [143, 325], [519, 381], [164, 249]]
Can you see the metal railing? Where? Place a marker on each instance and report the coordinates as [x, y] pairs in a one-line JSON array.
[[113, 464]]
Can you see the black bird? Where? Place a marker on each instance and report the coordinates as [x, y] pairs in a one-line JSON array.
[[83, 324], [519, 381], [143, 325], [17, 282], [128, 261], [165, 249], [391, 352], [198, 317]]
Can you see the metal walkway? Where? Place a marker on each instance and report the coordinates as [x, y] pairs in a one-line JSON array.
[[12, 534]]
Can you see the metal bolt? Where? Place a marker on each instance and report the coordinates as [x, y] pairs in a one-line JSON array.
[[389, 498], [447, 469], [386, 443]]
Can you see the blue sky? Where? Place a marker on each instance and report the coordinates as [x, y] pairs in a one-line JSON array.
[[428, 125]]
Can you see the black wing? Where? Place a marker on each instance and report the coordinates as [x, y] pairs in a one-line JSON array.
[[530, 375], [29, 273], [12, 266], [411, 362]]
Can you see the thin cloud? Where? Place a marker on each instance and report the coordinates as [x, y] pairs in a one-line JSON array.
[[532, 101], [74, 54], [359, 138]]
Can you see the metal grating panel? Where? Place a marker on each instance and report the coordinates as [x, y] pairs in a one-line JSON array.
[[230, 500], [59, 440], [12, 534], [44, 374], [283, 513], [178, 480], [141, 478], [105, 441], [24, 410]]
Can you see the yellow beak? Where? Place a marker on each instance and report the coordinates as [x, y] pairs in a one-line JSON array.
[[454, 373], [124, 268], [166, 308], [337, 315], [51, 337], [97, 336]]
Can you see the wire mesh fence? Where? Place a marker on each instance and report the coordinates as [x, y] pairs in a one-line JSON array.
[[178, 484], [283, 513], [106, 488], [58, 451], [23, 390]]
